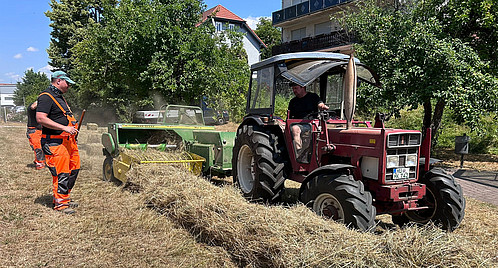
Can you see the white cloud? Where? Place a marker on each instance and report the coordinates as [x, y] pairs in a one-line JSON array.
[[13, 76], [253, 21], [46, 70], [18, 56], [32, 49]]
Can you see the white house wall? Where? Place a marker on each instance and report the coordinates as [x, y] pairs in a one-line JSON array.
[[251, 47], [7, 95]]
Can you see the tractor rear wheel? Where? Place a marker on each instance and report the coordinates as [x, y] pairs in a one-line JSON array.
[[339, 197], [258, 164], [444, 197]]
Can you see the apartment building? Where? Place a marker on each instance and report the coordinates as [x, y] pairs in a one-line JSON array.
[[306, 26]]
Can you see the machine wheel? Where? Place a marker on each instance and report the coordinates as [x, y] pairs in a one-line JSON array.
[[339, 197], [445, 200], [107, 171], [258, 164]]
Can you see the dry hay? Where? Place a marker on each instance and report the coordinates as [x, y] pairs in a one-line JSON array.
[[203, 225], [112, 227], [275, 236]]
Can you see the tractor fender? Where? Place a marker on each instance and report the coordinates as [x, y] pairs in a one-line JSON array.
[[325, 169], [256, 121], [251, 120]]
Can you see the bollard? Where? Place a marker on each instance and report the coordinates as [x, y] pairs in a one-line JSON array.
[[462, 146]]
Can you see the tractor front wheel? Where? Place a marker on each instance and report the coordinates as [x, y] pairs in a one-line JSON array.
[[340, 198], [258, 165], [445, 200]]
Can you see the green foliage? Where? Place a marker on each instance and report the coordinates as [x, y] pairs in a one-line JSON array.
[[281, 106], [270, 35], [475, 22], [420, 64], [68, 18], [30, 87], [407, 119], [148, 48]]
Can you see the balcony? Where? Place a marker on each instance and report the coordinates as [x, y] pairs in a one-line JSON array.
[[304, 8], [333, 39]]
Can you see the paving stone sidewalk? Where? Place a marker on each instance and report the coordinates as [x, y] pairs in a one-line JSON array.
[[481, 185]]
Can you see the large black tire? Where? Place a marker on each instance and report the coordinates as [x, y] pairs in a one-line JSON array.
[[339, 197], [258, 164], [444, 197]]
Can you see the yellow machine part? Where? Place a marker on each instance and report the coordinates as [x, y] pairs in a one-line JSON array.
[[127, 158]]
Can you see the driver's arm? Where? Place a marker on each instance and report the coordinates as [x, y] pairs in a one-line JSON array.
[[322, 106]]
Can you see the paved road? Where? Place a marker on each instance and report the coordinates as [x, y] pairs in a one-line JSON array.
[[479, 185]]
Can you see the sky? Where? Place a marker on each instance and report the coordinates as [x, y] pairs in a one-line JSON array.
[[25, 32]]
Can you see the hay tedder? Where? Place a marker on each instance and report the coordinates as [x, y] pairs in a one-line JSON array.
[[181, 139], [349, 171]]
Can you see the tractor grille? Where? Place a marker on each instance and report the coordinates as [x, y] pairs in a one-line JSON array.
[[402, 155], [403, 140]]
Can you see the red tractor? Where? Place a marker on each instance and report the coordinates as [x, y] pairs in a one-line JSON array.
[[349, 170]]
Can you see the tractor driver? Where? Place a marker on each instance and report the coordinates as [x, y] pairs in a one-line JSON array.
[[303, 104]]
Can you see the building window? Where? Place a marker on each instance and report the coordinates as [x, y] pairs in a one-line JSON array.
[[323, 28], [298, 34], [9, 98], [231, 27], [219, 26]]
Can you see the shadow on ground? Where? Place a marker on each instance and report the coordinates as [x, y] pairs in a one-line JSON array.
[[45, 200]]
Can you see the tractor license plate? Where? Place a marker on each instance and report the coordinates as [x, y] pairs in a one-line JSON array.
[[401, 173]]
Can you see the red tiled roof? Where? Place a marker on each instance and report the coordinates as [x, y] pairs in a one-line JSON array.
[[221, 12]]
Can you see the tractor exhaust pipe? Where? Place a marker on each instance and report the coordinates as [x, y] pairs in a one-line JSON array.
[[350, 92]]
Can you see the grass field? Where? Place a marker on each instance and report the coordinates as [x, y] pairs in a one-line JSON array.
[[170, 218]]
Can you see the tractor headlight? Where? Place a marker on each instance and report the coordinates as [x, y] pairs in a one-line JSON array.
[[411, 160], [392, 161]]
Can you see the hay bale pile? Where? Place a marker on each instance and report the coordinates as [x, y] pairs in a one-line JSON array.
[[262, 236]]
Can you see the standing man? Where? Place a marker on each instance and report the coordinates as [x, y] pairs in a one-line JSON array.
[[58, 140], [34, 133]]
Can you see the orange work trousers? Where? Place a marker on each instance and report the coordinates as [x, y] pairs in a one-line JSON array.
[[34, 137], [63, 161]]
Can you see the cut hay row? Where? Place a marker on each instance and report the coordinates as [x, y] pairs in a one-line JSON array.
[[276, 236]]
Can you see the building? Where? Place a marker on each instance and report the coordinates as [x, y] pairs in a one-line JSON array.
[[7, 95], [223, 19], [306, 26]]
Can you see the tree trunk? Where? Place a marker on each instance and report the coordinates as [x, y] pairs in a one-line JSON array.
[[436, 121], [433, 121]]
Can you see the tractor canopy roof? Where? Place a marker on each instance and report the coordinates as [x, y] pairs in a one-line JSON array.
[[304, 67]]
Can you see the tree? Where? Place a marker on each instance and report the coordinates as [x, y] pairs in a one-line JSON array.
[[420, 64], [147, 48], [270, 35], [475, 22], [31, 86], [68, 17]]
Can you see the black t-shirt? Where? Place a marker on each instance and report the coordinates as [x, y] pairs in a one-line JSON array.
[[32, 118], [301, 107], [47, 105]]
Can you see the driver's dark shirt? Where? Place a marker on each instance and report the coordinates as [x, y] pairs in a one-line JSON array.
[[301, 107]]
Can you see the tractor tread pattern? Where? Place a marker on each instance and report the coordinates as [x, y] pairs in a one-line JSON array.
[[269, 165], [356, 202]]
